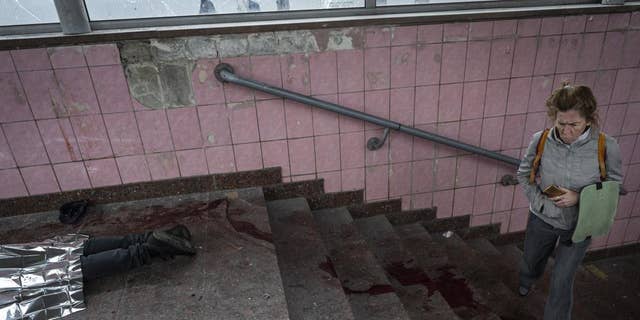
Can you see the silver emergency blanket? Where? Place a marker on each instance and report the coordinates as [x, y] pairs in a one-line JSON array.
[[41, 280]]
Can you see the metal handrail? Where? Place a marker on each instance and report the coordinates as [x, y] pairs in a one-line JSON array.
[[224, 73]]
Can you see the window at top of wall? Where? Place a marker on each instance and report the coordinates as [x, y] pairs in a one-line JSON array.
[[131, 9], [23, 12]]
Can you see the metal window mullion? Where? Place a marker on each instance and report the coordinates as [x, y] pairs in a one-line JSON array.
[[73, 16], [371, 8]]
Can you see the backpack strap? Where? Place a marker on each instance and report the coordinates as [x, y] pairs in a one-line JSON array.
[[602, 153], [536, 160]]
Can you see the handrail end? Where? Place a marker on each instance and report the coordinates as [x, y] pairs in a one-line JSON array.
[[222, 67]]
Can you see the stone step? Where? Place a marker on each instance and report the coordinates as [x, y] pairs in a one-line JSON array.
[[234, 274], [491, 231], [447, 224], [371, 209], [311, 287], [410, 282], [298, 189], [142, 190], [313, 192], [412, 216], [483, 245], [428, 253], [462, 296], [336, 199], [369, 292], [507, 258], [481, 275]]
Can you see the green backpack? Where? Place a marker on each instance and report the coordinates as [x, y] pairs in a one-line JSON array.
[[598, 202]]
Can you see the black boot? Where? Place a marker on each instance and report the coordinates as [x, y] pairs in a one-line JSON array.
[[163, 244], [180, 231]]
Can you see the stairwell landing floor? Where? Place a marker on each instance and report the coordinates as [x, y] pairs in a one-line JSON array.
[[234, 275], [614, 291]]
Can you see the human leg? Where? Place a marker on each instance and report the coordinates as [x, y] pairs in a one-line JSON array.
[[100, 244], [540, 240], [109, 262], [139, 252], [568, 258]]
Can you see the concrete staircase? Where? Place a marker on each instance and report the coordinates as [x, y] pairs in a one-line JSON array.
[[387, 264], [383, 271], [291, 251]]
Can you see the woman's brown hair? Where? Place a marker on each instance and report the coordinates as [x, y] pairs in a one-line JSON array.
[[568, 97]]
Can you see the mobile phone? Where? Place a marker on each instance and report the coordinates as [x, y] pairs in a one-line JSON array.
[[553, 191]]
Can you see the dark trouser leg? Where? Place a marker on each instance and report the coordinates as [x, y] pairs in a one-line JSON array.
[[540, 240], [568, 258], [100, 244], [113, 261]]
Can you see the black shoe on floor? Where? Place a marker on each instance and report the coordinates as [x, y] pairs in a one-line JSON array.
[[180, 231], [163, 244]]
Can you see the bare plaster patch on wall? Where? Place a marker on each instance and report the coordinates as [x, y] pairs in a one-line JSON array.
[[202, 47], [345, 39], [135, 52], [160, 71], [233, 45], [144, 84], [176, 84], [169, 50], [263, 43], [296, 41]]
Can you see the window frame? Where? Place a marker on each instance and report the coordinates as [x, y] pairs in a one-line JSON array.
[[46, 34]]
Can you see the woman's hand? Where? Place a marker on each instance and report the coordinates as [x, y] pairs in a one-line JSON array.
[[570, 198]]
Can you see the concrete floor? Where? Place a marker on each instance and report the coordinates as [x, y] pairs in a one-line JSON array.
[[614, 293], [234, 275]]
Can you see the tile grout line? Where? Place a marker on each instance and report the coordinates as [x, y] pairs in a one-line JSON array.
[[104, 123], [35, 123]]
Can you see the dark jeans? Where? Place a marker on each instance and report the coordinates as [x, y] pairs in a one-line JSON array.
[[105, 256], [541, 239]]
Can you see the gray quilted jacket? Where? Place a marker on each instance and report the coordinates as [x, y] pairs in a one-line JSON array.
[[573, 166]]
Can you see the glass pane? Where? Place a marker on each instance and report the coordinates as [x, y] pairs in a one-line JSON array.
[[19, 12], [129, 9], [408, 2]]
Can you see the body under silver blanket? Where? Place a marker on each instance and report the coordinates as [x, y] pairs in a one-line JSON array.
[[41, 280]]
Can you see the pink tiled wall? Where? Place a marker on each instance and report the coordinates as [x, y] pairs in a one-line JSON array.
[[68, 121]]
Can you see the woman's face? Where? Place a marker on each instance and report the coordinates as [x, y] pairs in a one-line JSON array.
[[570, 125]]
